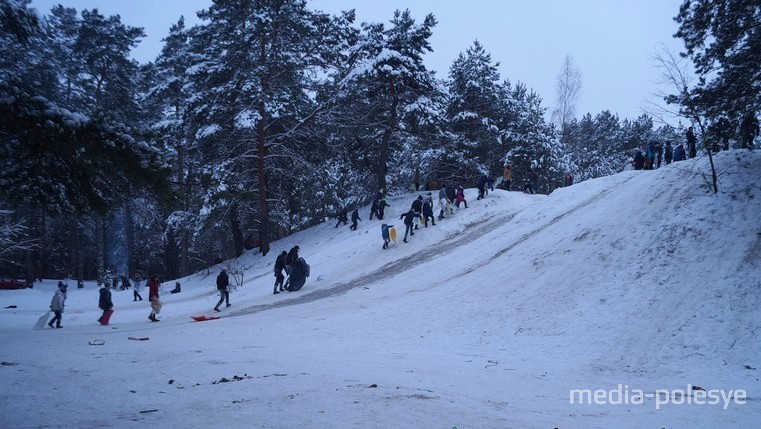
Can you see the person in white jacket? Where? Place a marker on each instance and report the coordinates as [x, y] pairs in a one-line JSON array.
[[57, 304]]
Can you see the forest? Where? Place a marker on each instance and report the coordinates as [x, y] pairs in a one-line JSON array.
[[268, 118]]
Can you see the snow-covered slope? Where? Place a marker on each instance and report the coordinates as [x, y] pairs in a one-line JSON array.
[[487, 320]]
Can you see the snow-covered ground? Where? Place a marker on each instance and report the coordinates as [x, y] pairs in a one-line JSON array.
[[637, 282]]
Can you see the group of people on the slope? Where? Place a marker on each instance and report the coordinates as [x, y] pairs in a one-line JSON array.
[[718, 132], [296, 268]]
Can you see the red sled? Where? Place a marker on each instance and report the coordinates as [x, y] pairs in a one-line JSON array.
[[204, 318], [106, 317]]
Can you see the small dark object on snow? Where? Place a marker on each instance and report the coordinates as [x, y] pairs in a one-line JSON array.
[[698, 388], [97, 342], [11, 306], [749, 367], [4, 363], [373, 385], [171, 381], [138, 339], [148, 411], [133, 391]]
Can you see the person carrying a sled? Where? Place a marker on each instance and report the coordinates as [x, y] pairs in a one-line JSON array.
[[223, 281], [443, 200], [386, 234], [428, 210], [57, 304], [105, 304]]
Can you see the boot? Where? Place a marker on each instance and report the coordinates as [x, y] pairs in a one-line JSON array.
[[216, 309]]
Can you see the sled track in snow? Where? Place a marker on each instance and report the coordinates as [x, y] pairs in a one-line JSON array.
[[451, 242]]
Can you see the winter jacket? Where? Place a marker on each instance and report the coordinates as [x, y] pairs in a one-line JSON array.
[[639, 161], [293, 255], [222, 280], [280, 262], [482, 182], [669, 153], [443, 194], [153, 288], [679, 154], [57, 303], [417, 205], [355, 216], [460, 194], [408, 217], [427, 208], [105, 302]]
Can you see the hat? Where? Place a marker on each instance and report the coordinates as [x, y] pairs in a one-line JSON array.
[[420, 197], [428, 193], [61, 285]]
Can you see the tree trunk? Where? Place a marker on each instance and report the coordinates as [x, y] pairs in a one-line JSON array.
[[236, 231], [129, 232], [100, 248], [386, 139], [261, 151]]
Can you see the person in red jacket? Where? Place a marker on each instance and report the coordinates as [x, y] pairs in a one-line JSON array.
[[153, 297]]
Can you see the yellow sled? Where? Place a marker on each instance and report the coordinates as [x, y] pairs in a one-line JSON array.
[[392, 234]]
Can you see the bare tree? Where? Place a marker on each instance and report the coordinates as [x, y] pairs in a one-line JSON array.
[[13, 237], [568, 88], [676, 74]]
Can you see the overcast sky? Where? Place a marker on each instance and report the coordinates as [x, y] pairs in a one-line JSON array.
[[612, 42]]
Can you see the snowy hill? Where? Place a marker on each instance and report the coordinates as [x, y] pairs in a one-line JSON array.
[[489, 319]]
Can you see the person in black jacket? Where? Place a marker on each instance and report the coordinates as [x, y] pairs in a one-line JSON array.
[[354, 219], [481, 185], [692, 142], [279, 267], [223, 281], [382, 206], [104, 303], [293, 256], [417, 207], [408, 218], [342, 217], [428, 210]]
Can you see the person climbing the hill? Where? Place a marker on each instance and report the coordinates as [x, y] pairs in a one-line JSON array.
[[382, 206], [428, 210], [408, 220], [417, 207], [481, 185], [223, 282], [342, 217], [443, 200], [374, 206], [279, 267], [293, 256], [354, 219], [460, 197], [385, 233]]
